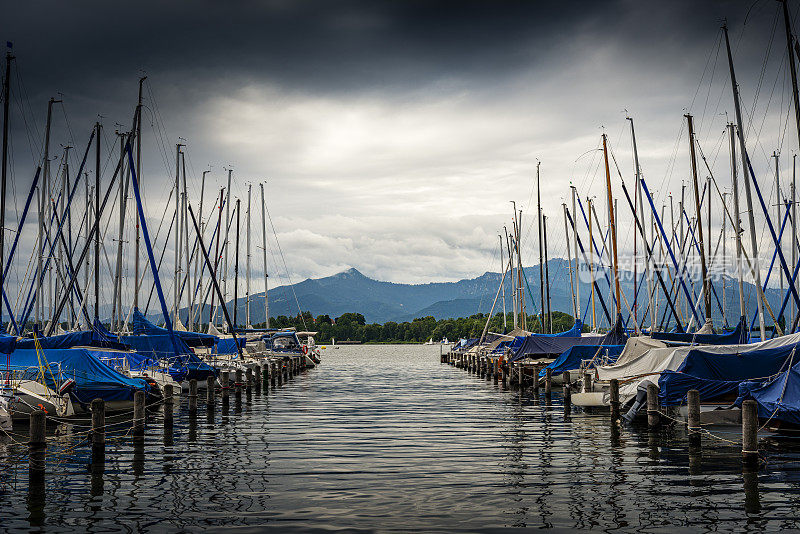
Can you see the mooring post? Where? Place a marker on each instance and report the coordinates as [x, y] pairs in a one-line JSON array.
[[98, 424], [536, 372], [693, 402], [496, 370], [520, 376], [653, 414], [750, 432], [548, 381], [257, 378], [587, 382], [225, 386], [613, 400], [37, 444], [238, 384], [248, 384], [138, 414], [210, 392], [567, 392], [38, 423], [168, 404], [280, 371], [193, 396]]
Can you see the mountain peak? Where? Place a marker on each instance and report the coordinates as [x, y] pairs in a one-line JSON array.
[[352, 272]]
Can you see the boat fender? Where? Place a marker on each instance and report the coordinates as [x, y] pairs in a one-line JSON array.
[[305, 350]]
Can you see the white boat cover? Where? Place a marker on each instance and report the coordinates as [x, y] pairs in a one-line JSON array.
[[651, 363]]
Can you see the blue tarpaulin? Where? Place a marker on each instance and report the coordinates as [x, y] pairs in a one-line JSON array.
[[571, 359], [186, 364], [778, 398], [93, 378], [7, 344], [714, 374], [193, 339], [227, 345], [84, 338], [738, 336]]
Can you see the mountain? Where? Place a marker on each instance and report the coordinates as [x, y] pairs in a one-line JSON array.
[[351, 291]]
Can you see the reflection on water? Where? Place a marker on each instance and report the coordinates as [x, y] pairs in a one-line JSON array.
[[387, 438]]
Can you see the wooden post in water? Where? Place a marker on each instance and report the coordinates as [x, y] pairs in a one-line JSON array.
[[548, 382], [536, 379], [750, 432], [210, 392], [521, 376], [496, 370], [248, 384], [226, 380], [653, 414], [614, 400], [193, 396], [168, 404], [138, 415], [37, 444], [693, 401], [98, 424], [257, 378], [567, 392], [238, 384], [587, 382]]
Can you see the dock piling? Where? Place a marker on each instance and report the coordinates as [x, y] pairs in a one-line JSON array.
[[750, 432], [536, 379], [614, 400], [653, 413], [693, 401], [168, 404], [210, 392], [37, 445], [587, 382], [226, 380], [193, 396], [548, 382], [138, 415], [98, 424], [257, 377], [567, 392], [238, 384]]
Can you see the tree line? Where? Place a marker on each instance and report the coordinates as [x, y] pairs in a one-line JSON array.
[[354, 327]]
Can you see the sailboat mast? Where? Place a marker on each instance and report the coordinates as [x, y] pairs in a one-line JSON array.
[[247, 288], [236, 274], [724, 261], [215, 275], [503, 286], [99, 128], [264, 247], [748, 194], [177, 266], [792, 66], [541, 265], [138, 171], [569, 262], [185, 237], [794, 224], [577, 258], [700, 242], [4, 172], [513, 280], [778, 209], [611, 222], [520, 273], [591, 264], [547, 275], [225, 246], [737, 230]]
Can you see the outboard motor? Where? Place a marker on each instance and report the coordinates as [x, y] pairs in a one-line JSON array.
[[641, 400]]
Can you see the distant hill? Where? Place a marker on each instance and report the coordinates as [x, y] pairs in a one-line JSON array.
[[351, 291]]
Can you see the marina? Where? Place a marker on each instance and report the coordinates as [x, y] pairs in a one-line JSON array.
[[579, 306]]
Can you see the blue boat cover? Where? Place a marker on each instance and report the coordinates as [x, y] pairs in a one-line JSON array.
[[185, 364], [777, 398], [193, 339], [571, 359], [227, 345], [93, 378], [84, 338], [737, 336], [714, 374], [7, 343]]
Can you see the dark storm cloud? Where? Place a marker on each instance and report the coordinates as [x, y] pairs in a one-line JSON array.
[[393, 133]]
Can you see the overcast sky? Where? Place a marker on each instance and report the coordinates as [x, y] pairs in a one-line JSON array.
[[392, 135]]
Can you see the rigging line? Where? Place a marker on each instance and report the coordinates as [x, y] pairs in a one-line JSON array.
[[705, 68], [710, 82], [283, 258]]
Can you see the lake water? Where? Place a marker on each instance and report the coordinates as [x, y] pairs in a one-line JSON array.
[[385, 438]]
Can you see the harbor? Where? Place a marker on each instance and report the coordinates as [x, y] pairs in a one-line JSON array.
[[334, 448], [400, 267]]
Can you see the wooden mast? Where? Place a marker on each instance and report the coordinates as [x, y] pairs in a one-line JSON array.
[[613, 229], [547, 275], [700, 242], [748, 195]]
